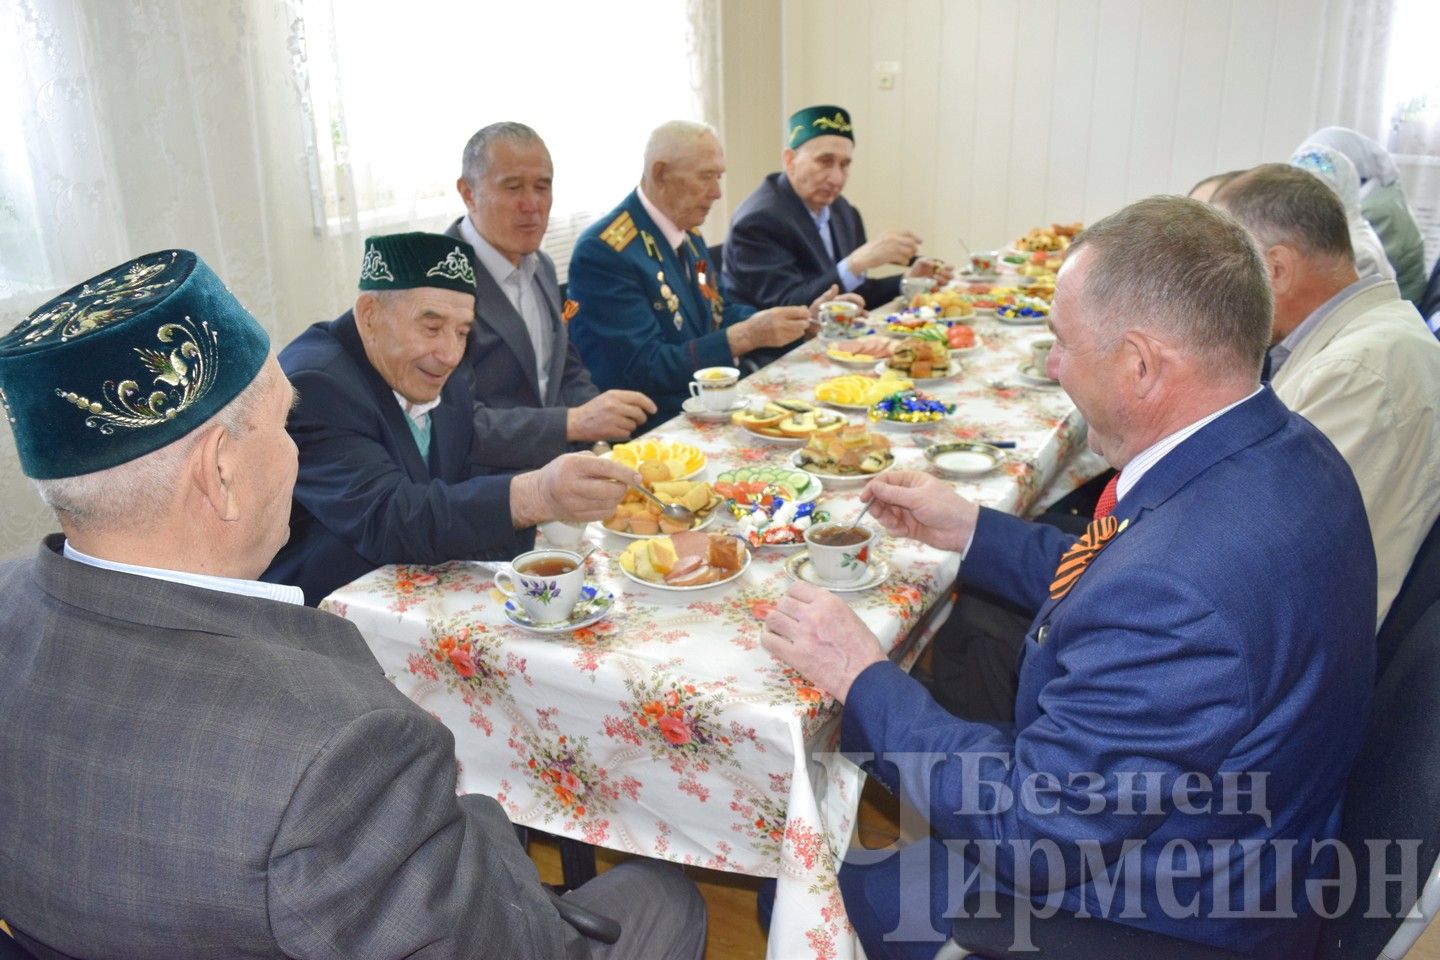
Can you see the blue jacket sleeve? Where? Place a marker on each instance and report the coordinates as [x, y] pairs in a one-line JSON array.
[[1097, 723]]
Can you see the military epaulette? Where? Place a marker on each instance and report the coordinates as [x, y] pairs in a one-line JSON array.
[[620, 232]]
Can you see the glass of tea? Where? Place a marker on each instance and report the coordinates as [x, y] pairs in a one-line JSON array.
[[839, 552], [545, 583]]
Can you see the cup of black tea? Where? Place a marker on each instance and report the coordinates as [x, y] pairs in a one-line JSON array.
[[839, 552], [545, 583]]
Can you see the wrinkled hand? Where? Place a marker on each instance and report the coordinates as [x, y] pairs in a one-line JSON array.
[[818, 634], [768, 328], [576, 486], [921, 507], [612, 415], [893, 246], [930, 267]]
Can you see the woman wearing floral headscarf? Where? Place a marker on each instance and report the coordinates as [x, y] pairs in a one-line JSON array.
[[1382, 201], [1339, 175]]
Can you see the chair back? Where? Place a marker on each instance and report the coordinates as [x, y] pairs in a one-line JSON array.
[[1418, 593], [1393, 799], [1430, 299]]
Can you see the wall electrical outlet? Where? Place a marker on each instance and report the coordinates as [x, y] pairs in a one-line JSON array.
[[887, 74]]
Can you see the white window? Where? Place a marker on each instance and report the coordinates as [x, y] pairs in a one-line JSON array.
[[397, 90]]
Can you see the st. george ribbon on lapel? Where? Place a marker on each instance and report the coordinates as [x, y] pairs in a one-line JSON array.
[[1081, 552]]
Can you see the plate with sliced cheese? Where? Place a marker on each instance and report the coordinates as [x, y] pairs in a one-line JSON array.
[[787, 422]]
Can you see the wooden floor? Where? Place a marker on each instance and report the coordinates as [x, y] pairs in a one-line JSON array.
[[734, 932]]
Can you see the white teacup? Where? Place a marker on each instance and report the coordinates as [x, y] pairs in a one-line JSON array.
[[984, 263], [716, 387], [565, 534], [839, 562], [1040, 356], [545, 583]]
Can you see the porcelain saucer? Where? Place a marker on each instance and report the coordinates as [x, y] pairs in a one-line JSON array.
[[594, 605]]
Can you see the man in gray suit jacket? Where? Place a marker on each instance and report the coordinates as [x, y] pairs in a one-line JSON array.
[[533, 396], [198, 764]]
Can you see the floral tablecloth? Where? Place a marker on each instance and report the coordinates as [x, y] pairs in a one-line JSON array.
[[665, 729]]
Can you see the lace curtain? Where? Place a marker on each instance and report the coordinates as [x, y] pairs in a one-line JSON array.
[[132, 125]]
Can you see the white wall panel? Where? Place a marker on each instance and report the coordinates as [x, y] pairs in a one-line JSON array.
[[1012, 113]]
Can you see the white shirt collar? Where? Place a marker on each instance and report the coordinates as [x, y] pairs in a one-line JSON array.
[[496, 263], [416, 411], [1153, 454], [283, 593], [673, 234]]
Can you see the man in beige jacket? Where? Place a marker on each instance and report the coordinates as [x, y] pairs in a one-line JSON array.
[[1351, 357]]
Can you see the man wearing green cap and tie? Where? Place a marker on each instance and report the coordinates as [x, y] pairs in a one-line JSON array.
[[199, 765], [796, 235], [385, 433]]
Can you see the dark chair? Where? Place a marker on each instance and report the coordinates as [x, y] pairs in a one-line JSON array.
[[1430, 299], [1393, 796], [1418, 592]]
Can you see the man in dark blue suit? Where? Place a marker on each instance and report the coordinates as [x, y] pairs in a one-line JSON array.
[[648, 307], [384, 428], [1196, 678], [796, 235]]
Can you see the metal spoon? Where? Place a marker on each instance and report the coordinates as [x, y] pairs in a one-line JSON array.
[[674, 511], [856, 524]]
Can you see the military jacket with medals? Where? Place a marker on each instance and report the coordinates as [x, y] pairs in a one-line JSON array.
[[647, 316]]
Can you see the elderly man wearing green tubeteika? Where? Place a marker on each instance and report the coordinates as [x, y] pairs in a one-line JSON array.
[[796, 235], [200, 765], [384, 426]]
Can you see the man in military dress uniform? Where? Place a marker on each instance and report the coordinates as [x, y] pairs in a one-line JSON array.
[[649, 309]]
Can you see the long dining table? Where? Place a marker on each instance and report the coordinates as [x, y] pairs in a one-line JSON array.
[[665, 729]]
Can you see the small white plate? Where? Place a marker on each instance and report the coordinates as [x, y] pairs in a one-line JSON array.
[[964, 459], [1026, 372], [799, 567], [839, 479], [705, 521], [865, 361], [967, 351], [822, 417], [594, 605], [702, 586], [692, 407], [884, 365]]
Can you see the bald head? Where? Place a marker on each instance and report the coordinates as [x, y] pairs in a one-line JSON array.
[[683, 166]]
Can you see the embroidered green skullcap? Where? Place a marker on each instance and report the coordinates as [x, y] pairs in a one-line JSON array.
[[125, 363], [820, 121], [403, 261]]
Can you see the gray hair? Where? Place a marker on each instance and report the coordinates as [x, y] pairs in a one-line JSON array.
[[1282, 204], [1181, 266], [673, 140], [475, 161], [138, 491]]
